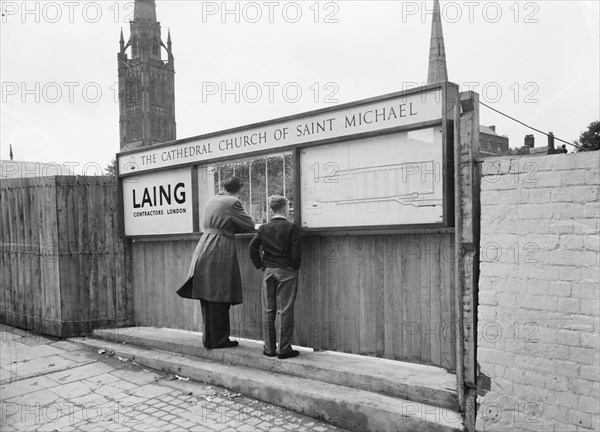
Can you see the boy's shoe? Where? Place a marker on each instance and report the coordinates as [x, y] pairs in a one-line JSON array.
[[290, 354], [269, 354]]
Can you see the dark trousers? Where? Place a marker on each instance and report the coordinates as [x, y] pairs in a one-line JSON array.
[[215, 322], [279, 295]]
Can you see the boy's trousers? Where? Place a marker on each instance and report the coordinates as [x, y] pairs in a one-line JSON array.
[[279, 294]]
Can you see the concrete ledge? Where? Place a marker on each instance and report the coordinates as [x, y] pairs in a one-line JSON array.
[[412, 382], [349, 408]]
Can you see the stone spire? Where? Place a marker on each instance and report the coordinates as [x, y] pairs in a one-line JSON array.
[[144, 10], [437, 52]]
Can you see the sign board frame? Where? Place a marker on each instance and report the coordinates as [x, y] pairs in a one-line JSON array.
[[258, 139]]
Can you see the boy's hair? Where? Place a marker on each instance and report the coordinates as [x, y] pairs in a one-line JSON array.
[[278, 203], [232, 184]]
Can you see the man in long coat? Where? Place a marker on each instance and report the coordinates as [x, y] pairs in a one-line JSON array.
[[214, 276]]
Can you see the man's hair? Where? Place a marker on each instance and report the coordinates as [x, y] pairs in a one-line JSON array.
[[232, 184], [278, 203]]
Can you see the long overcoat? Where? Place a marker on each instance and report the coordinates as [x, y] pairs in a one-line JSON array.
[[214, 272]]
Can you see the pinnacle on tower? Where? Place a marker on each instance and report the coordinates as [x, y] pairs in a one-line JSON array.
[[122, 41], [437, 52]]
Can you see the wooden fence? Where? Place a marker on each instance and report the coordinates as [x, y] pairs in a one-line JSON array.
[[390, 296], [65, 271], [63, 264]]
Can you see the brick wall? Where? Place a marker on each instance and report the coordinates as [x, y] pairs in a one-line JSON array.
[[538, 315]]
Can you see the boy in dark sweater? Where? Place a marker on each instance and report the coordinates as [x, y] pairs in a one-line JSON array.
[[280, 241]]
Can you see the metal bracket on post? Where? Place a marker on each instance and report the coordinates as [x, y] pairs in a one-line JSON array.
[[468, 247], [467, 101]]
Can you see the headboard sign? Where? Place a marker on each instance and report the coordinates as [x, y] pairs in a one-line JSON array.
[[379, 162]]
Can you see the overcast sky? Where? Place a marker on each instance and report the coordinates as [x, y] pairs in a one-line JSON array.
[[537, 61]]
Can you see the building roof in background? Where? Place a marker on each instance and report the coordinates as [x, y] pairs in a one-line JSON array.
[[488, 130], [23, 169]]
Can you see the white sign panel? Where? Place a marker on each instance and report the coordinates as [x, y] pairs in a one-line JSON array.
[[158, 203], [391, 179], [376, 116]]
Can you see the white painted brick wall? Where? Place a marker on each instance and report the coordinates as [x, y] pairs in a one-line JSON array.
[[539, 294]]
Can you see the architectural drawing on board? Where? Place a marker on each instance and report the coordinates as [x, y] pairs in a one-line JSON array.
[[383, 189], [394, 179]]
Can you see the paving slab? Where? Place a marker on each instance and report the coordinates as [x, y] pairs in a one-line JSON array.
[[15, 388], [139, 378], [79, 355], [79, 372], [20, 352], [43, 365], [7, 375], [65, 345], [74, 389]]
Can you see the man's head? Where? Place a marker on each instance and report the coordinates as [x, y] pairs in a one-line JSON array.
[[232, 185], [279, 205]]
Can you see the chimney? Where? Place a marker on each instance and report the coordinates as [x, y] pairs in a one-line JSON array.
[[529, 141], [493, 127], [551, 149]]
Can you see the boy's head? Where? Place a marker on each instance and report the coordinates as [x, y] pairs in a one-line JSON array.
[[279, 205]]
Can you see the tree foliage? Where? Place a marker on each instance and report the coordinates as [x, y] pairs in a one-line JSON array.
[[589, 140], [111, 168]]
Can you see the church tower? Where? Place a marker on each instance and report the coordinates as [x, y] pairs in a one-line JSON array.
[[437, 52], [146, 82]]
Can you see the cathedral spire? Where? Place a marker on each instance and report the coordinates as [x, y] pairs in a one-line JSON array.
[[146, 82], [437, 52], [144, 10]]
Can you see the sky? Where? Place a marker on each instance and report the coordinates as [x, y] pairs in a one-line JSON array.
[[238, 63]]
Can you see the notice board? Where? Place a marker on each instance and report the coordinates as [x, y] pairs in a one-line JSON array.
[[394, 179]]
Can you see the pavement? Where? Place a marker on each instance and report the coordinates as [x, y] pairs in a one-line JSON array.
[[354, 392], [49, 384]]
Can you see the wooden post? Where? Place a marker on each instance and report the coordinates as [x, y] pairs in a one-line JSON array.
[[283, 156], [195, 192], [467, 247], [458, 274], [250, 184], [266, 189]]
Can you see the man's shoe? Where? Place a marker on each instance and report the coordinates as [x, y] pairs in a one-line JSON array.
[[228, 344], [292, 353], [269, 354]]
